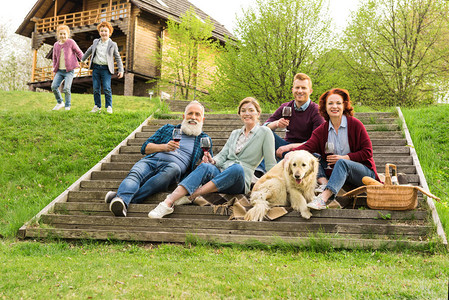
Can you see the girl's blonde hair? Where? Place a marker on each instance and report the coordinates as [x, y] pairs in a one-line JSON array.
[[62, 27]]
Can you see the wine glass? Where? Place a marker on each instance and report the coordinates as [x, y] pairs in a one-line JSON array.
[[205, 144], [329, 149], [286, 114], [177, 134]]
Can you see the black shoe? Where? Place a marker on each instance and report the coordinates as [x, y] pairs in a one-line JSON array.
[[118, 207], [109, 196]]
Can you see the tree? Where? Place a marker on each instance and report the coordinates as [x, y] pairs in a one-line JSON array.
[[396, 50], [188, 51], [276, 40], [16, 59]]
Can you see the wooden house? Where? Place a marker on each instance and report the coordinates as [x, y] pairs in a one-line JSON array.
[[137, 26]]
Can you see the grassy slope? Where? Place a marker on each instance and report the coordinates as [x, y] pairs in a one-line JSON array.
[[43, 152], [429, 128]]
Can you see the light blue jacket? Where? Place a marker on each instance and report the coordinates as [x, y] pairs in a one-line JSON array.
[[111, 53], [259, 146]]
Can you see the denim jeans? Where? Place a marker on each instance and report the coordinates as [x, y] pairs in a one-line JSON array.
[[147, 177], [345, 171], [57, 80], [230, 181], [101, 76]]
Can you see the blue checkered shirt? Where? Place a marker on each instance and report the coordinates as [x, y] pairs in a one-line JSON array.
[[165, 134]]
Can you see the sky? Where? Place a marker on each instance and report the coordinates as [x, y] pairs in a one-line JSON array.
[[224, 12]]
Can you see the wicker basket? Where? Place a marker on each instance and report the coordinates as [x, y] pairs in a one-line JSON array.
[[389, 196]]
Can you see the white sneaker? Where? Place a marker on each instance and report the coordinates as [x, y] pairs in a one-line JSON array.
[[109, 196], [58, 106], [118, 207], [182, 201], [96, 109], [317, 203], [320, 188], [109, 109], [160, 211], [67, 108]]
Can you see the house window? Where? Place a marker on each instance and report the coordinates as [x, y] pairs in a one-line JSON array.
[[119, 10]]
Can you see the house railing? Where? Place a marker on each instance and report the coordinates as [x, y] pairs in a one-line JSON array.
[[46, 73], [84, 18]]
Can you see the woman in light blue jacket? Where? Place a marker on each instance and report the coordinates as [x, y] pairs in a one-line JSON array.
[[231, 170]]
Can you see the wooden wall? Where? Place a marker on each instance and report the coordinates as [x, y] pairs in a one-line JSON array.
[[146, 45]]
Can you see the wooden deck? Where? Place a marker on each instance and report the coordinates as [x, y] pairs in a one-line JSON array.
[[80, 212]]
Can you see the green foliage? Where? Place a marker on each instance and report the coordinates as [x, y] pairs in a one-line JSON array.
[[397, 51], [188, 51], [43, 151], [276, 40], [16, 59]]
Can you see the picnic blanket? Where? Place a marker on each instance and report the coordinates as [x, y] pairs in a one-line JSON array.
[[236, 206]]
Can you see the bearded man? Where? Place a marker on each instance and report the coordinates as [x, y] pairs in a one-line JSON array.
[[166, 162]]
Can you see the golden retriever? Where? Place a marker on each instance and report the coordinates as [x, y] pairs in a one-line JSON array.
[[293, 178]]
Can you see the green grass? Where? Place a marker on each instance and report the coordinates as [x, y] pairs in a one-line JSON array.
[[130, 270], [43, 152], [429, 128]]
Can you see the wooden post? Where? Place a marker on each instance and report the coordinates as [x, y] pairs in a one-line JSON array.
[[128, 89], [109, 17], [55, 15], [33, 68]]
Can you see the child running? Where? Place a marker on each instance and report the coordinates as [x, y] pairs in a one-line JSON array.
[[103, 51]]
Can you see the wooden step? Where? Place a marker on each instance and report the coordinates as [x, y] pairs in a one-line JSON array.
[[236, 122], [181, 237], [221, 141], [265, 116], [85, 215], [126, 166], [215, 134], [224, 128], [293, 228], [380, 159], [394, 150]]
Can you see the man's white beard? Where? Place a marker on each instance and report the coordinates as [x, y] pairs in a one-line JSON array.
[[191, 129]]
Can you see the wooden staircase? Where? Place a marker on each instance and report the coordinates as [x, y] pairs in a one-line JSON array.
[[80, 212]]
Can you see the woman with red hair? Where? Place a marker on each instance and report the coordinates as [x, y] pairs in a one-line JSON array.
[[350, 156]]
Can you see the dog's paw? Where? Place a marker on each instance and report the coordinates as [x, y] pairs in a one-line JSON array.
[[306, 214], [254, 215]]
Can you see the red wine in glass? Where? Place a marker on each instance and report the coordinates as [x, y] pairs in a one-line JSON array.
[[177, 134], [205, 144], [329, 149], [287, 114]]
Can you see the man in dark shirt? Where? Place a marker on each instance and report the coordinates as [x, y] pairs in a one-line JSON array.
[[305, 117], [165, 163]]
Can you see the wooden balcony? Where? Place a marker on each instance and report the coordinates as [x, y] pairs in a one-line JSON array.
[[83, 18], [46, 73]]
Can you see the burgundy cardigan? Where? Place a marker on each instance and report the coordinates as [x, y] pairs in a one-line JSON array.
[[302, 123], [71, 52], [361, 149]]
